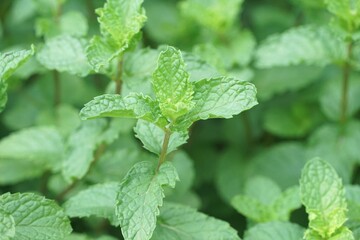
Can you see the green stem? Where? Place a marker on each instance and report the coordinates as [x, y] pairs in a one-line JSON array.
[[118, 76], [164, 148], [345, 85], [99, 151], [57, 88]]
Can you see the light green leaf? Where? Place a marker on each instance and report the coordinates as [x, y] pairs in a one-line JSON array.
[[97, 200], [342, 234], [121, 20], [346, 9], [7, 226], [81, 146], [218, 15], [152, 137], [182, 223], [100, 52], [35, 217], [67, 25], [323, 196], [263, 189], [287, 202], [220, 98], [11, 61], [253, 209], [65, 53], [132, 106], [306, 44], [352, 193], [171, 84], [275, 230], [140, 196], [37, 146]]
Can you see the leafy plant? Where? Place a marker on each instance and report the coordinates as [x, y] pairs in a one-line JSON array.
[[138, 161]]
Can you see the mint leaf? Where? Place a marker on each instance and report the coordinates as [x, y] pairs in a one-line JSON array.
[[152, 137], [39, 147], [323, 195], [121, 20], [97, 200], [344, 9], [182, 222], [140, 196], [67, 25], [220, 98], [35, 217], [7, 225], [305, 44], [275, 230], [11, 61], [135, 105], [218, 15], [81, 146], [171, 84], [65, 54]]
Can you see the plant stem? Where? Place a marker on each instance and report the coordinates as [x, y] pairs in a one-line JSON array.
[[118, 76], [57, 88], [345, 85], [99, 151], [164, 148]]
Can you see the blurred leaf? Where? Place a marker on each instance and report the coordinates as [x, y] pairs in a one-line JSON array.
[[97, 200], [323, 196], [67, 25], [181, 222], [65, 53], [302, 45], [275, 230], [140, 197], [35, 217]]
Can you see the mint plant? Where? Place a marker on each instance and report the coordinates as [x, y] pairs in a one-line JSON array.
[[138, 161]]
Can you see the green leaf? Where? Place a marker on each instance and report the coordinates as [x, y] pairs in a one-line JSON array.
[[352, 193], [135, 105], [35, 217], [252, 208], [171, 84], [152, 137], [181, 223], [7, 225], [323, 196], [121, 20], [97, 200], [275, 230], [81, 146], [306, 44], [220, 98], [218, 15], [39, 147], [345, 9], [140, 196], [65, 53], [67, 25], [287, 202], [11, 61]]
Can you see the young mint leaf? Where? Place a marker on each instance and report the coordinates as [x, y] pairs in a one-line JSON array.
[[218, 15], [121, 20], [275, 230], [220, 98], [39, 145], [67, 25], [35, 217], [305, 44], [287, 202], [152, 137], [253, 209], [140, 196], [135, 105], [323, 196], [263, 189], [341, 234], [345, 9], [7, 226], [81, 147], [171, 84], [182, 223], [65, 53], [9, 62], [97, 200]]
